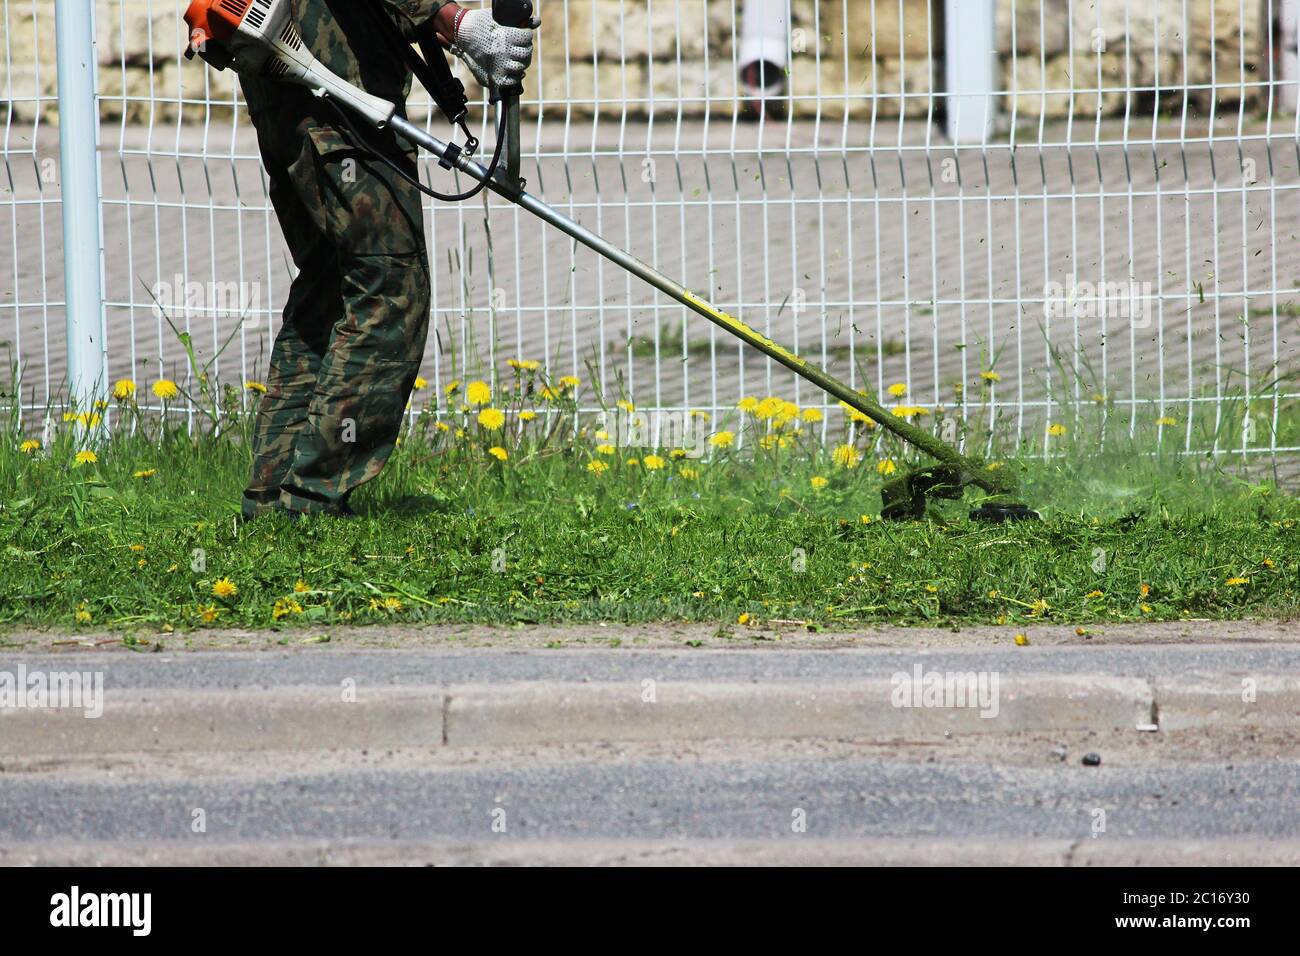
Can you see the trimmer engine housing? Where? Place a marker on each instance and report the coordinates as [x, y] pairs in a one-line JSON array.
[[260, 38]]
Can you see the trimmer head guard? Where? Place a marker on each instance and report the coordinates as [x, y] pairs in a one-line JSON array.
[[903, 498]]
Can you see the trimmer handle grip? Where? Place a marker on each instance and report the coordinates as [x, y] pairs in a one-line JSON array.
[[513, 13]]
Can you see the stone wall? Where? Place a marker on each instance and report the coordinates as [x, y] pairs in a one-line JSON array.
[[666, 55]]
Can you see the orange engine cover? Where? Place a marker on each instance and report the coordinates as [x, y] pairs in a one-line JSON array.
[[215, 19]]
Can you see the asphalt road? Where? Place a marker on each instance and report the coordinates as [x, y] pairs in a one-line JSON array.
[[1223, 792], [657, 799]]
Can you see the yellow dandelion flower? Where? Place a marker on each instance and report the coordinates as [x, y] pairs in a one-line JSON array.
[[1022, 640], [258, 387], [865, 519], [702, 416], [87, 457], [845, 456], [137, 548], [769, 407], [743, 619], [442, 427], [452, 386], [818, 482], [1166, 421], [421, 383], [478, 393], [1144, 590], [1056, 430], [69, 416], [1091, 595], [811, 414], [1268, 563], [82, 615], [1236, 582], [597, 467], [123, 389], [653, 462], [747, 404], [29, 446], [499, 453], [605, 449], [165, 389], [284, 607], [492, 418], [626, 406], [690, 474], [856, 416], [527, 416], [898, 390], [225, 588], [990, 376], [678, 454], [570, 381], [209, 614], [767, 442], [632, 462], [145, 473], [722, 440], [886, 466], [301, 587], [88, 419]]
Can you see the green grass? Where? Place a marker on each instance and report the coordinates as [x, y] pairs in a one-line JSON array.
[[449, 534]]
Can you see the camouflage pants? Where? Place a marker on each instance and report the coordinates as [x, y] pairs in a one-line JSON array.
[[346, 358]]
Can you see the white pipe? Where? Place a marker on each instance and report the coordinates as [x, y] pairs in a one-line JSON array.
[[970, 66], [1286, 55], [765, 33]]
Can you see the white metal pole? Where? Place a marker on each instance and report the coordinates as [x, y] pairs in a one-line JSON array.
[[79, 185], [970, 65]]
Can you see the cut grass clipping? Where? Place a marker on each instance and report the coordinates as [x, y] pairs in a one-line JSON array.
[[502, 504]]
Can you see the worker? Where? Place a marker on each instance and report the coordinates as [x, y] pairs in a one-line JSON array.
[[347, 355]]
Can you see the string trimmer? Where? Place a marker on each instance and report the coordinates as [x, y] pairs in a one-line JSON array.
[[261, 38]]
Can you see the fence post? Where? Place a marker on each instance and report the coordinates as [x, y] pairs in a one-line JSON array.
[[970, 65], [83, 280]]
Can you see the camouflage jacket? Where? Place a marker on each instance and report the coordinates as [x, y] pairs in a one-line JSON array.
[[344, 37]]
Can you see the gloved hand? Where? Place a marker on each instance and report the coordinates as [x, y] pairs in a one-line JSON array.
[[496, 55]]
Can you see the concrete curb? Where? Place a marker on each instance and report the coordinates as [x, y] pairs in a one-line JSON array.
[[583, 713], [511, 714], [295, 718], [320, 718], [1229, 700]]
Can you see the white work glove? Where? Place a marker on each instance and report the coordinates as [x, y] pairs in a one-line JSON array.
[[496, 55]]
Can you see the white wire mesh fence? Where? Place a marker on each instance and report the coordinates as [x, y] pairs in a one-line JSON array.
[[1120, 238]]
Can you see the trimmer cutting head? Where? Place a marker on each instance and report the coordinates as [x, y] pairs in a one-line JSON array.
[[904, 498]]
